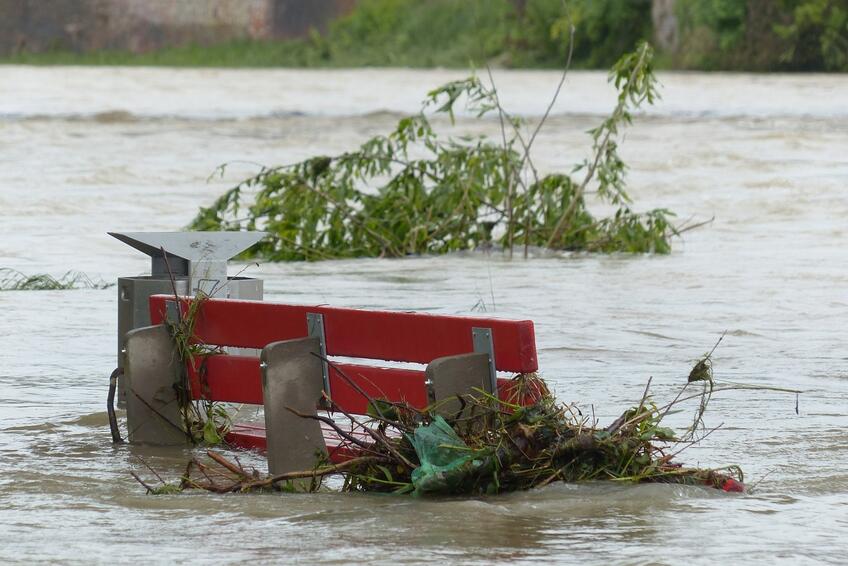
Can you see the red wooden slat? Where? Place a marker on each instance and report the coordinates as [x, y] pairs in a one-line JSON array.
[[382, 335], [252, 436], [235, 379], [393, 384], [247, 438], [238, 379]]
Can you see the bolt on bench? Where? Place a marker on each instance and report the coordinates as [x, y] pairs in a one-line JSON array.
[[293, 370]]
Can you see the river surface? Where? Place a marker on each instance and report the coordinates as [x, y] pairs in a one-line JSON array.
[[86, 151]]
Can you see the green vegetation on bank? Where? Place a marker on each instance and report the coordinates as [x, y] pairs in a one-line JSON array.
[[807, 35], [443, 33], [763, 35]]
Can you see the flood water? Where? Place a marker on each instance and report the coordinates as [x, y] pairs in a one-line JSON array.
[[86, 151]]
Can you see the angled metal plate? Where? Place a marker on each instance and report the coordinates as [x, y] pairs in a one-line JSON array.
[[191, 246]]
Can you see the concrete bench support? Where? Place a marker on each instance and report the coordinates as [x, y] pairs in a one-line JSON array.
[[451, 376], [292, 377], [152, 370]]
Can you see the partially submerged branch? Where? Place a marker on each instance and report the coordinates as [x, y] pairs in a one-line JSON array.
[[416, 191]]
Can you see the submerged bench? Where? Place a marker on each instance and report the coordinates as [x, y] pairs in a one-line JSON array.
[[460, 353]]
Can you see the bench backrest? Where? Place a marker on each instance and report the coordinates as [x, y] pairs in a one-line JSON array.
[[352, 333]]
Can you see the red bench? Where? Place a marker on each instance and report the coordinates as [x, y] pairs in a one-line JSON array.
[[504, 345]]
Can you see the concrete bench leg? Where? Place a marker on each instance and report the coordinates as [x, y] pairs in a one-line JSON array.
[[152, 370], [292, 377], [451, 376]]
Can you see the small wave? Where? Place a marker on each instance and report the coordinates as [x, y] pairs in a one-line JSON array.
[[126, 117], [114, 117], [740, 332], [653, 335], [119, 116], [96, 420], [107, 117], [40, 427]]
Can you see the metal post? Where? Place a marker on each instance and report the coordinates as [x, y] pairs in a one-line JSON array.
[[172, 312], [181, 263], [291, 380], [456, 376], [482, 339], [315, 328]]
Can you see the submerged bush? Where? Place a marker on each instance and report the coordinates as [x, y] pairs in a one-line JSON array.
[[414, 191]]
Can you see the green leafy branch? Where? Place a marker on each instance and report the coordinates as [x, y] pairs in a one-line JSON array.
[[416, 191]]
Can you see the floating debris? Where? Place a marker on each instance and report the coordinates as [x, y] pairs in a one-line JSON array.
[[13, 280], [488, 446]]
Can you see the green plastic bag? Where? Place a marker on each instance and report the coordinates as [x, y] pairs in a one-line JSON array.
[[446, 461]]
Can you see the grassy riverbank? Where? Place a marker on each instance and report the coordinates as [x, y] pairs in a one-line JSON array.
[[759, 35], [234, 54]]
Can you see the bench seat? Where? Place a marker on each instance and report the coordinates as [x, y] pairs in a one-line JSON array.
[[300, 362]]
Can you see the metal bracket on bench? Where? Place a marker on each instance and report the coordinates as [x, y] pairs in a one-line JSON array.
[[315, 327], [482, 339], [172, 311]]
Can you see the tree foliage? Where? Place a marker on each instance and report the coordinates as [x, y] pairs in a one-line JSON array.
[[604, 29], [799, 35], [416, 191], [816, 36], [759, 35]]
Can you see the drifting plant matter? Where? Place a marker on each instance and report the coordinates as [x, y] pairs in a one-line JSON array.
[[522, 440], [490, 446], [415, 191], [204, 421], [13, 280]]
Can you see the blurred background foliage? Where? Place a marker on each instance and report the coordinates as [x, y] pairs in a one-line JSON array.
[[710, 34], [763, 35], [454, 33], [751, 35]]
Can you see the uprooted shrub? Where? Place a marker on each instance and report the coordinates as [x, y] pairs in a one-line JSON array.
[[523, 440], [415, 191], [481, 443]]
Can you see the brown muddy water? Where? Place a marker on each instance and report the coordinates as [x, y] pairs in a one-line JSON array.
[[84, 151]]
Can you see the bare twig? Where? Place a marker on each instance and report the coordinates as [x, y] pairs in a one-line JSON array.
[[139, 480], [241, 472], [600, 149], [341, 432], [320, 471], [687, 444], [685, 227], [526, 159], [152, 471]]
